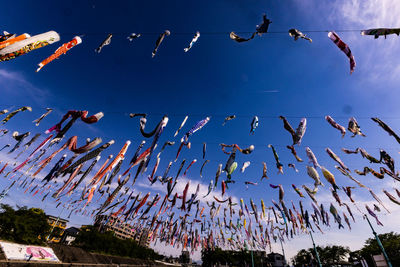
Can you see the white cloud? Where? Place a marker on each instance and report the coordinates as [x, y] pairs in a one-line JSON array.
[[368, 13], [180, 186], [378, 56], [17, 86], [376, 59]]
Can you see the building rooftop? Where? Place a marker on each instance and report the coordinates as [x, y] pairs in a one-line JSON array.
[[72, 231], [51, 217]]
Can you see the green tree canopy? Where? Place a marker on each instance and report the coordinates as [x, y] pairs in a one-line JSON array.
[[391, 243], [329, 255], [211, 257], [94, 241], [304, 257], [23, 225]]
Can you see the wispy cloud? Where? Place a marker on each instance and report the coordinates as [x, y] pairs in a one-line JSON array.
[[16, 85], [378, 55], [367, 13], [180, 186], [269, 91]]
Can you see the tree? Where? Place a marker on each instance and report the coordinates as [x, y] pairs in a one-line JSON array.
[[329, 255], [391, 243], [355, 258], [23, 225], [94, 241], [304, 257], [333, 254], [210, 257]]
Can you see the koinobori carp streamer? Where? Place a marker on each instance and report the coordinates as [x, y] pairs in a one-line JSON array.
[[61, 50], [345, 48], [25, 46]]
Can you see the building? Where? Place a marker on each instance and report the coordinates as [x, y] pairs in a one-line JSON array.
[[121, 229], [111, 223], [220, 257], [85, 227], [58, 225], [69, 235], [142, 238], [185, 257], [277, 260]]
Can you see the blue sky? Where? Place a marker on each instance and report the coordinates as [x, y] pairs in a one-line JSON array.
[[269, 76]]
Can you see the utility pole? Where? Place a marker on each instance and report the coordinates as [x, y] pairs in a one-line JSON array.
[[4, 193], [52, 228], [379, 242], [315, 250], [283, 251]]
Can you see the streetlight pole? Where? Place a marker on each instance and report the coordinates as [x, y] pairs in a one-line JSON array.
[[315, 250], [379, 242]]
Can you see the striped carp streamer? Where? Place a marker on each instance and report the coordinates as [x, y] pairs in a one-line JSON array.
[[195, 128], [254, 125], [381, 32], [69, 180], [279, 165], [33, 153], [19, 138], [61, 50], [25, 46], [55, 169], [74, 114], [92, 154], [159, 41], [106, 41], [120, 156], [195, 38], [143, 122], [260, 29], [235, 147], [229, 118], [345, 49], [244, 166], [385, 127], [335, 125], [28, 144], [6, 35], [158, 131], [181, 126], [44, 115], [13, 113], [87, 171], [294, 153], [300, 131], [329, 177], [336, 158], [114, 194], [391, 197], [71, 144], [296, 34], [136, 155], [373, 215], [354, 128], [13, 40], [133, 36]]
